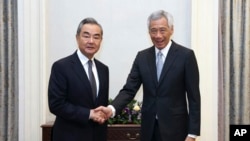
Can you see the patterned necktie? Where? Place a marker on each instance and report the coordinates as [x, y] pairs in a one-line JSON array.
[[92, 79], [159, 64]]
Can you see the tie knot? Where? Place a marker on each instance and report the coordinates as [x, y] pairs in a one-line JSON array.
[[90, 63], [159, 56], [159, 53]]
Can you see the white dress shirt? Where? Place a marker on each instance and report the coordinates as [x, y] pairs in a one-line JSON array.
[[84, 60]]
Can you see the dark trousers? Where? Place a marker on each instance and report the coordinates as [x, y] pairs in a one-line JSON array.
[[156, 134]]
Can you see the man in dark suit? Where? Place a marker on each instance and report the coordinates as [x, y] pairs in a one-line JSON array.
[[78, 84], [171, 103]]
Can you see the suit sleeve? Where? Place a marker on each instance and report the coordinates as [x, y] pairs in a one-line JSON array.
[[57, 96], [193, 93], [129, 90]]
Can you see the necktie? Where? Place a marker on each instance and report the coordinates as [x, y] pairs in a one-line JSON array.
[[92, 79], [159, 64]]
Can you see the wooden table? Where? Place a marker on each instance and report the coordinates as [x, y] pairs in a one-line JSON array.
[[116, 132]]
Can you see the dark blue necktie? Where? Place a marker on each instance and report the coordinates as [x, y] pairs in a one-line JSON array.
[[92, 79]]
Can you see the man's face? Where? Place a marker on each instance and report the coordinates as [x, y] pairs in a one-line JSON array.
[[89, 39], [160, 32]]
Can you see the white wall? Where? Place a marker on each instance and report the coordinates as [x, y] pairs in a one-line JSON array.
[[205, 44], [47, 33], [125, 30]]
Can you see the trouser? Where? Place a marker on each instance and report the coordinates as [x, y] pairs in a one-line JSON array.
[[156, 134]]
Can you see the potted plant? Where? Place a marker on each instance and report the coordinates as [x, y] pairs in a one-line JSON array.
[[131, 114]]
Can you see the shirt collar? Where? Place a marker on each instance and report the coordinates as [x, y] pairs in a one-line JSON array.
[[164, 50], [82, 57]]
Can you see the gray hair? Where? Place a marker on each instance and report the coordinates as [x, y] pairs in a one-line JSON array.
[[161, 14], [88, 20]]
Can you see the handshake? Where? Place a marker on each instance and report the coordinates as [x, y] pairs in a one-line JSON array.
[[101, 114]]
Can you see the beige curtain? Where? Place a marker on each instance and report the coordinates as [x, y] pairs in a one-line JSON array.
[[234, 73], [8, 71]]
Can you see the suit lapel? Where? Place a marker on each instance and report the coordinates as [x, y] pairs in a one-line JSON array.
[[152, 64], [169, 60], [99, 73], [102, 76], [80, 72]]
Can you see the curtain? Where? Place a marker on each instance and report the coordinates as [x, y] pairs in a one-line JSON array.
[[234, 61], [8, 71]]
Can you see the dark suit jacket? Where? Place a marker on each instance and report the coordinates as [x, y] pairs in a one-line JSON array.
[[70, 99], [167, 98]]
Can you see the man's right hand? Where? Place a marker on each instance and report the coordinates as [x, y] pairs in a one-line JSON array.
[[106, 110], [98, 116]]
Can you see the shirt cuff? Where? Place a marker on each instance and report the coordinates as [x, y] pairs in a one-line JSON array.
[[113, 110], [192, 136]]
